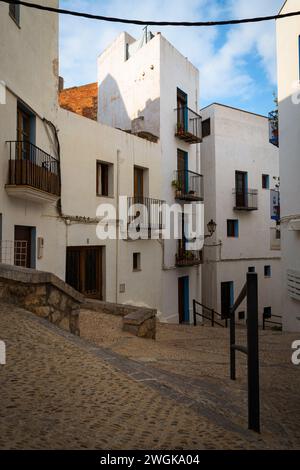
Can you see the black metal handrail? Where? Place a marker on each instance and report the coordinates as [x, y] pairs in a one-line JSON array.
[[268, 319], [145, 212], [211, 318], [250, 290], [188, 185], [189, 125], [245, 200], [31, 166]]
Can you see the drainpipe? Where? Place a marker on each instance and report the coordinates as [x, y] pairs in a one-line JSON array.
[[117, 225]]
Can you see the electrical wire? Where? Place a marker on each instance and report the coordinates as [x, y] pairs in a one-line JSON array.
[[151, 23]]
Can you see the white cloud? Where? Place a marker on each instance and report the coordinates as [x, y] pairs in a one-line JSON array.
[[220, 54]]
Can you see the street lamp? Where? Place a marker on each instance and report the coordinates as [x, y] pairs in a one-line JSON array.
[[211, 227]]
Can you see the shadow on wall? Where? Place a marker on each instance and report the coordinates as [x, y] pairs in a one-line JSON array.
[[113, 112]]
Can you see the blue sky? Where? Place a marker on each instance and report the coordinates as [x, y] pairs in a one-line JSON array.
[[237, 64]]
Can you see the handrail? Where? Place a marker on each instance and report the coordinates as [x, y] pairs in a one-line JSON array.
[[268, 320], [212, 318]]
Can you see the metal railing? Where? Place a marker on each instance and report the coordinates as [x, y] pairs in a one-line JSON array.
[[31, 166], [188, 258], [268, 320], [188, 185], [145, 212], [189, 125], [250, 290], [14, 252], [245, 200], [211, 317]]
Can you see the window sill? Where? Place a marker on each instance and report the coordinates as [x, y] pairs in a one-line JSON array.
[[105, 197]]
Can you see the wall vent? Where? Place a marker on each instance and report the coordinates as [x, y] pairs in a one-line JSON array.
[[293, 284]]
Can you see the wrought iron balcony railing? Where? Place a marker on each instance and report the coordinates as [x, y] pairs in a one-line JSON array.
[[31, 166], [189, 125], [246, 200], [188, 185], [185, 258], [145, 213]]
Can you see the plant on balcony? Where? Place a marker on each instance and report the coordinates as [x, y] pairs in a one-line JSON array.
[[180, 128], [178, 186]]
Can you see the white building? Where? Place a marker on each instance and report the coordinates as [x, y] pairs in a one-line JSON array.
[[288, 34], [60, 167], [148, 88], [239, 165]]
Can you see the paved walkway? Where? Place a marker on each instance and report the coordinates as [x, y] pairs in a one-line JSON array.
[[59, 391]]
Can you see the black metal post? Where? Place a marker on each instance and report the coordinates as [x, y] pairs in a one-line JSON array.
[[194, 311], [253, 362], [232, 344]]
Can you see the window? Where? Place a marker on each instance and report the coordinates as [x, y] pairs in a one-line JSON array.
[[241, 315], [265, 182], [14, 11], [205, 128], [136, 262], [104, 179], [251, 269], [26, 127], [233, 228], [267, 312], [267, 271]]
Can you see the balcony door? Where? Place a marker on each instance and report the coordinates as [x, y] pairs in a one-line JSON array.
[[84, 270], [241, 187], [138, 183], [182, 115], [25, 133], [182, 167]]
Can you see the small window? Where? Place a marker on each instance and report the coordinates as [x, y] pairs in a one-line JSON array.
[[267, 271], [206, 128], [136, 262], [265, 182], [251, 269], [104, 179], [233, 228], [268, 312], [14, 11], [241, 315]]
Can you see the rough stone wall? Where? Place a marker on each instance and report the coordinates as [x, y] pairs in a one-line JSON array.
[[41, 293], [81, 100]]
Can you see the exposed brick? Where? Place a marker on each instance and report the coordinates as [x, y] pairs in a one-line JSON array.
[[81, 100]]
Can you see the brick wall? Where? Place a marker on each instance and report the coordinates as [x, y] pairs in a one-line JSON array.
[[81, 100]]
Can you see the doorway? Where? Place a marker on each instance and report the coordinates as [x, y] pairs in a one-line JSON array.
[[84, 270], [183, 299], [24, 246], [241, 186], [227, 293]]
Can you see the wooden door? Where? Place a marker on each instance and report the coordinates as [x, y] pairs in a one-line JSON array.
[[23, 248], [182, 167], [226, 298], [138, 182], [181, 110], [84, 270], [23, 135], [241, 188]]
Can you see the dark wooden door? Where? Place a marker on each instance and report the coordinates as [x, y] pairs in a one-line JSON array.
[[226, 298], [22, 248], [84, 270], [241, 188], [23, 135], [183, 299], [138, 182]]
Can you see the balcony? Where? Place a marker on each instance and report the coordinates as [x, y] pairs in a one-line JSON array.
[[33, 174], [188, 186], [186, 258], [245, 200], [144, 215], [189, 125], [273, 128]]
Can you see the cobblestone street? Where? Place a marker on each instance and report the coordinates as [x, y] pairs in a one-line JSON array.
[[116, 391]]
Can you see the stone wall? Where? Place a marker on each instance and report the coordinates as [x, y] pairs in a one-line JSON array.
[[139, 321], [43, 294]]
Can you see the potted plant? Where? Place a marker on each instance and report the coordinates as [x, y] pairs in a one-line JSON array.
[[178, 187]]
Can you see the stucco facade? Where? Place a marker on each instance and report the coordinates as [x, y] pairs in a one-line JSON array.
[[288, 32], [239, 142]]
